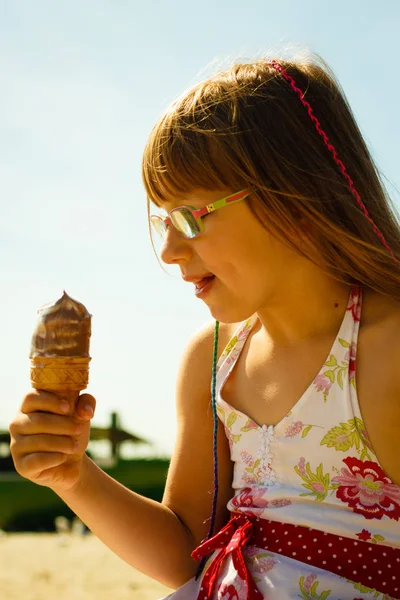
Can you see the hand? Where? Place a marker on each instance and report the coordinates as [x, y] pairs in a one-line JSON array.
[[49, 439]]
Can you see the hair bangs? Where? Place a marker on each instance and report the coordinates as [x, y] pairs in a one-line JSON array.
[[184, 153]]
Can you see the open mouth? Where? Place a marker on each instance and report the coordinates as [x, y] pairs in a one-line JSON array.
[[204, 284]]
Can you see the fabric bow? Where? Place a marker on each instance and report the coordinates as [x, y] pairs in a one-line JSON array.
[[231, 539]]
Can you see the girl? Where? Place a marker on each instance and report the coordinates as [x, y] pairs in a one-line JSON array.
[[276, 213]]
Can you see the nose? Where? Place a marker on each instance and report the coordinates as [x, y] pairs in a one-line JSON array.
[[175, 248]]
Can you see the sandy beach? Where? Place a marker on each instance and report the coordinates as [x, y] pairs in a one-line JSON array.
[[70, 567]]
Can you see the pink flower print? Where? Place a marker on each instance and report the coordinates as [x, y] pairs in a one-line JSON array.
[[302, 466], [368, 490], [279, 502], [364, 535], [248, 497], [350, 356], [246, 457], [263, 565], [309, 580], [251, 551], [251, 498], [352, 370], [354, 303], [294, 429], [246, 330], [351, 352], [322, 383], [233, 355], [262, 473], [365, 439], [235, 345], [247, 478], [250, 424], [244, 498], [318, 487]]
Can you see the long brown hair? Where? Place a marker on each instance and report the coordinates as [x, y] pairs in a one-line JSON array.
[[246, 128]]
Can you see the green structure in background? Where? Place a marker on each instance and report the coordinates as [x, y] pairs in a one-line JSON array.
[[25, 506]]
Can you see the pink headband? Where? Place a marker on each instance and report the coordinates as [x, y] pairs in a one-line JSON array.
[[278, 67]]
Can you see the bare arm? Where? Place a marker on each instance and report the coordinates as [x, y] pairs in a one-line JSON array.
[[144, 533], [155, 538], [189, 488]]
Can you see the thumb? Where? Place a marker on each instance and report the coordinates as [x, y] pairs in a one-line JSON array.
[[85, 407]]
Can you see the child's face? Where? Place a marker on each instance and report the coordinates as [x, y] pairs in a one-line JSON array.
[[250, 266]]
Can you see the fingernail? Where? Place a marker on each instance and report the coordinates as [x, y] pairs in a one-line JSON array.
[[88, 410], [64, 406]]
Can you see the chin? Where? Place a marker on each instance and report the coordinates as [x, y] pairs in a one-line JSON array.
[[229, 314]]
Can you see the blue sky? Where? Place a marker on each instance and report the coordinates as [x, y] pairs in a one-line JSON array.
[[82, 84]]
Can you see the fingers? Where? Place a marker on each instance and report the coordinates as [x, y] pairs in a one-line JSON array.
[[31, 444], [41, 401], [49, 437], [40, 422], [86, 406], [33, 465]]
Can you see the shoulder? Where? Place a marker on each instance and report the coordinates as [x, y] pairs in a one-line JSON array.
[[201, 344], [195, 369]]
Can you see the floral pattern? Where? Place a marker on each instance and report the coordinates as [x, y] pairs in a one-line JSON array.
[[298, 427], [351, 357], [350, 434], [338, 370], [308, 588], [318, 483], [237, 591], [327, 477], [366, 536], [354, 304], [323, 384], [367, 590], [234, 347], [249, 425], [261, 561], [254, 498], [365, 487], [256, 471]]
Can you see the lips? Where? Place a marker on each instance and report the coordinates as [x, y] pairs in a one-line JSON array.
[[204, 286], [197, 278], [200, 284]]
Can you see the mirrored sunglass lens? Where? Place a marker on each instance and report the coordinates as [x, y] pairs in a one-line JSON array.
[[158, 226], [185, 222]]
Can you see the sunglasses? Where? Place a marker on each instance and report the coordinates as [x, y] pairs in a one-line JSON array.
[[188, 220]]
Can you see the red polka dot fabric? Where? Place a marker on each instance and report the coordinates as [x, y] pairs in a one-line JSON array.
[[372, 565]]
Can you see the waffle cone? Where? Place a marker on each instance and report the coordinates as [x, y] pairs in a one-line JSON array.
[[64, 376]]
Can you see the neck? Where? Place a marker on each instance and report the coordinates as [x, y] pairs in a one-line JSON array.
[[308, 304]]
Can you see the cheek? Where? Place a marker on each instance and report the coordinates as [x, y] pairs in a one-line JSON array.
[[238, 264], [245, 252]]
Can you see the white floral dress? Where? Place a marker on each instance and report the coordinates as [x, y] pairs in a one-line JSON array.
[[313, 478]]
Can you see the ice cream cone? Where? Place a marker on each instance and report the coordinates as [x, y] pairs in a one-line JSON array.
[[65, 377], [60, 349]]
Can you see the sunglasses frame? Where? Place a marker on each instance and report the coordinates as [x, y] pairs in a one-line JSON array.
[[197, 214]]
